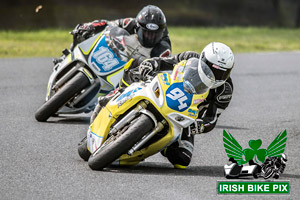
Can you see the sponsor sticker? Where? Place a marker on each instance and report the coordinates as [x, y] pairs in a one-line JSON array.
[[152, 27], [197, 101], [193, 113]]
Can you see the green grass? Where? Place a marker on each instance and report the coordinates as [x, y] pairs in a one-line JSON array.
[[239, 39], [50, 42], [41, 43]]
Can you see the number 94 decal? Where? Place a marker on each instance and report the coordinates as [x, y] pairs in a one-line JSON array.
[[177, 99]]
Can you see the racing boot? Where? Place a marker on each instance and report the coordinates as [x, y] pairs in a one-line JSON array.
[[180, 152]]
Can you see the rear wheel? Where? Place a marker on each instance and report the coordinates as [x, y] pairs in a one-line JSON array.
[[59, 99], [120, 144]]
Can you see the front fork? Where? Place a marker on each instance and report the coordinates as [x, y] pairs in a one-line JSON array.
[[146, 138], [65, 78], [140, 108]]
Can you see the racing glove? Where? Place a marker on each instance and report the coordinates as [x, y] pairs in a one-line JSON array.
[[85, 29], [82, 32], [197, 127], [187, 55], [91, 27], [147, 67]]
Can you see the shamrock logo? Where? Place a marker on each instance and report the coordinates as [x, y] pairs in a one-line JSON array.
[[255, 153], [234, 149]]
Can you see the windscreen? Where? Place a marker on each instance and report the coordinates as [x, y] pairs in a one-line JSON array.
[[192, 82]]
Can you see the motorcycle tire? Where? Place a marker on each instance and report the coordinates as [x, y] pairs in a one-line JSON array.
[[269, 173], [121, 145], [276, 176], [59, 99], [82, 149]]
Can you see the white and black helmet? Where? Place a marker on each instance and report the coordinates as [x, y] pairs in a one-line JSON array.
[[220, 59], [283, 158]]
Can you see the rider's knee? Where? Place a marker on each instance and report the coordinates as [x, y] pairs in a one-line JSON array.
[[180, 157]]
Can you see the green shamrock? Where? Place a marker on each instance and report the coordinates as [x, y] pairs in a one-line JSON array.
[[255, 151]]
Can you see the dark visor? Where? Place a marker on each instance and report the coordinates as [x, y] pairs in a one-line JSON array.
[[149, 38], [220, 73]]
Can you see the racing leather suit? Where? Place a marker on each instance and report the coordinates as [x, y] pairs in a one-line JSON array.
[[180, 152]]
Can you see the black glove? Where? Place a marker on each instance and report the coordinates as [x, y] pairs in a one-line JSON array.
[[147, 67], [83, 30], [197, 127], [187, 55]]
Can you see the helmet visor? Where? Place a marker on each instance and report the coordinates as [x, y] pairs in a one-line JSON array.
[[149, 38], [220, 73], [193, 82]]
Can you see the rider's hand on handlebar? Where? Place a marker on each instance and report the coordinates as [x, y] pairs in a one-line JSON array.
[[83, 29], [197, 127], [82, 32], [147, 67]]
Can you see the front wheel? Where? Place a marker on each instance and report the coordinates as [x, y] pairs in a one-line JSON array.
[[82, 149], [117, 145], [59, 99], [269, 173]]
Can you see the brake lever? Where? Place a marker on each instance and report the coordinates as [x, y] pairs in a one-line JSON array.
[[75, 30]]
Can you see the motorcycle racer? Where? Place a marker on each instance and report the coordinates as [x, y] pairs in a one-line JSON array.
[[220, 60], [149, 26], [277, 164]]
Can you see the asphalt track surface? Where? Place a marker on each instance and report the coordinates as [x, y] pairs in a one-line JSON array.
[[40, 160]]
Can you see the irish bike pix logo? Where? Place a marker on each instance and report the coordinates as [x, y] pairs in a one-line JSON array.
[[273, 160], [254, 162]]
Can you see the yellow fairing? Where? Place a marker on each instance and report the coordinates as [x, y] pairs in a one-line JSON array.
[[139, 94], [177, 77], [101, 125]]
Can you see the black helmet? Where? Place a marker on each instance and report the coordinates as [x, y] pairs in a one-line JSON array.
[[151, 23]]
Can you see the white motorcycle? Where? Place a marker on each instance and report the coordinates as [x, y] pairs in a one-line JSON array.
[[92, 69]]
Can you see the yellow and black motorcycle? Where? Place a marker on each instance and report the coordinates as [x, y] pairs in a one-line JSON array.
[[146, 117]]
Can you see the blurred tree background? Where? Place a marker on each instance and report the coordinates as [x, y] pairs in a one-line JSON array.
[[36, 14]]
